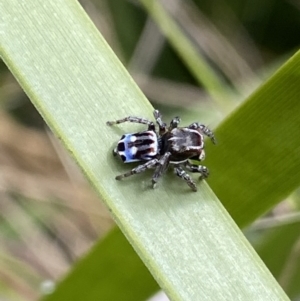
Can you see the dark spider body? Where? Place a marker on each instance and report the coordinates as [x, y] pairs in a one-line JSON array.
[[170, 145]]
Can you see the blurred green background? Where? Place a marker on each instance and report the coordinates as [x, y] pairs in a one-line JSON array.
[[49, 215]]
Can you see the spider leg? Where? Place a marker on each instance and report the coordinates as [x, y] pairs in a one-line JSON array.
[[181, 173], [162, 165], [138, 169], [134, 119], [203, 170], [162, 125], [204, 130], [174, 123]]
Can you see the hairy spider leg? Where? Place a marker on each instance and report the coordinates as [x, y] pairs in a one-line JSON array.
[[174, 123], [181, 173], [162, 165], [138, 169], [162, 125], [204, 130], [151, 126], [203, 170]]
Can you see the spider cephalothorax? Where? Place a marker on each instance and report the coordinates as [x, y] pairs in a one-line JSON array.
[[170, 145]]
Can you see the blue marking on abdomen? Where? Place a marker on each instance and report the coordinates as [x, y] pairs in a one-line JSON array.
[[130, 157], [142, 148]]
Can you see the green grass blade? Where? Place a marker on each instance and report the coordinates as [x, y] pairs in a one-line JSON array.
[[284, 263], [113, 269], [187, 240], [197, 65], [257, 162]]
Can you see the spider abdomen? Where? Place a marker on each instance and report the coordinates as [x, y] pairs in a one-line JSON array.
[[141, 146]]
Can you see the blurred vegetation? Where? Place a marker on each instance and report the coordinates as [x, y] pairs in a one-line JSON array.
[[45, 201]]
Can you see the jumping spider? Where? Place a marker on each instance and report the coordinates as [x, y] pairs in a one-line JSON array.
[[170, 145]]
